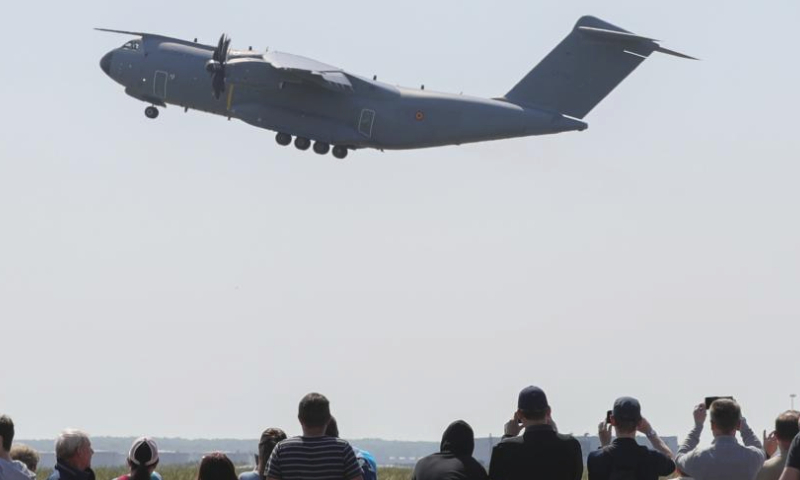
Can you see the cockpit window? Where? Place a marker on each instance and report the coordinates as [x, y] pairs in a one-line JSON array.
[[132, 45]]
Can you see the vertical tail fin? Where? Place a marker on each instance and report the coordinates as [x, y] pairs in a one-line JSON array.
[[584, 68]]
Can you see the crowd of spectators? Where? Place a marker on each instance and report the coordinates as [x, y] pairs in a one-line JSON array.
[[532, 448]]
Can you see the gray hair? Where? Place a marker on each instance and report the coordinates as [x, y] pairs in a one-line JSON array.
[[69, 442]]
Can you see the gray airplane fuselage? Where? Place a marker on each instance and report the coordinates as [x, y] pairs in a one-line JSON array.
[[162, 70]]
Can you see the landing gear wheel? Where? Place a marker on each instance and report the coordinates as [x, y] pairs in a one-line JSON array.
[[151, 112], [340, 152], [321, 148], [283, 139], [302, 143]]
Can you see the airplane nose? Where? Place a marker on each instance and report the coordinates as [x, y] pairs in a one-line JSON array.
[[105, 63]]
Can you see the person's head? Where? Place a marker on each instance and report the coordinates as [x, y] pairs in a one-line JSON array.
[[74, 448], [458, 439], [532, 406], [270, 438], [786, 427], [216, 466], [626, 415], [6, 434], [726, 416], [26, 455], [143, 458], [314, 413], [332, 430]]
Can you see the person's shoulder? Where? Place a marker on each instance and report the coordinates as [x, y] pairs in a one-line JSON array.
[[290, 441], [423, 462], [652, 453], [9, 471], [519, 439], [249, 476], [340, 442], [569, 441], [754, 452], [565, 437], [599, 453], [475, 467]]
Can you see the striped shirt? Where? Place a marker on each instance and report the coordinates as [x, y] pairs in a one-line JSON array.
[[313, 458]]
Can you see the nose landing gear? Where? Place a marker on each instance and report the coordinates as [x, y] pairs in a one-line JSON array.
[[283, 139], [151, 112]]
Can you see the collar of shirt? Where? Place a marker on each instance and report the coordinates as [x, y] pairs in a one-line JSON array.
[[724, 439], [625, 440], [539, 428]]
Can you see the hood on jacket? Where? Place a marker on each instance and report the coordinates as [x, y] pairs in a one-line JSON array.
[[458, 438]]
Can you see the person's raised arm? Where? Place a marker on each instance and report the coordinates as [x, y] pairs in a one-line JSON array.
[[749, 438], [656, 441], [604, 433], [684, 456]]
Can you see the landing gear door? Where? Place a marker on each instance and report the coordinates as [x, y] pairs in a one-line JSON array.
[[160, 85], [365, 122]]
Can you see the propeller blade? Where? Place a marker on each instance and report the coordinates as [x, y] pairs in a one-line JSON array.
[[226, 46], [216, 66]]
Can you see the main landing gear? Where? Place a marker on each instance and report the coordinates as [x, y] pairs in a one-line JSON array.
[[151, 112], [302, 143], [321, 148]]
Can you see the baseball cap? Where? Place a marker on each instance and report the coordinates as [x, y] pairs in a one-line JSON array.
[[144, 452], [532, 399], [627, 409]]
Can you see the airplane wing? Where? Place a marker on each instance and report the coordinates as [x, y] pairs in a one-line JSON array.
[[303, 68]]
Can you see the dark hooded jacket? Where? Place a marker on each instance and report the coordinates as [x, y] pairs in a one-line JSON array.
[[454, 461], [62, 471], [539, 454]]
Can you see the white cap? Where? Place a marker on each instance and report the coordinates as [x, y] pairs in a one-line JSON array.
[[137, 444]]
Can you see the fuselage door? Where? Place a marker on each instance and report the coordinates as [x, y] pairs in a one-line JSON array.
[[160, 85], [366, 121]]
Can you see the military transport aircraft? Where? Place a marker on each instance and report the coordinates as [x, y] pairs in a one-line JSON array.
[[311, 101]]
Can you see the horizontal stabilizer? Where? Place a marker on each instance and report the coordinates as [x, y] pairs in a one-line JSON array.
[[661, 49], [613, 35], [124, 32]]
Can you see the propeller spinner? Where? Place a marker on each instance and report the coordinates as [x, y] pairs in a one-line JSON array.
[[216, 66]]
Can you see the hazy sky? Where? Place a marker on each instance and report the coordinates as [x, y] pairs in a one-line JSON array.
[[187, 276]]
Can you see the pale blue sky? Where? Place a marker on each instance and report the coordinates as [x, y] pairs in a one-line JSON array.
[[186, 276]]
